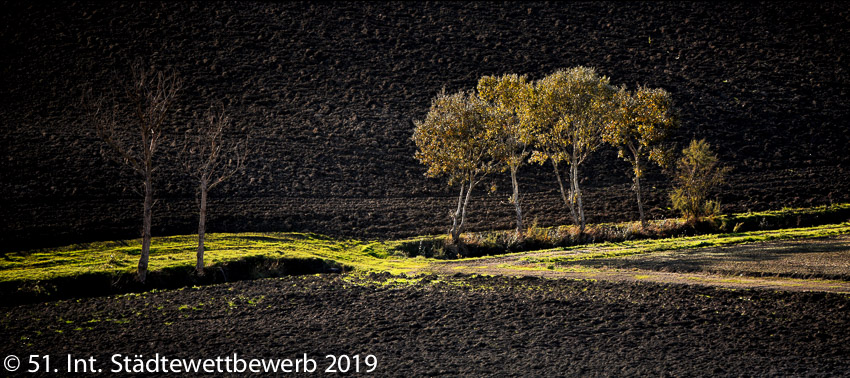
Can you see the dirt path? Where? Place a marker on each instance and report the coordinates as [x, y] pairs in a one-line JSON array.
[[796, 265]]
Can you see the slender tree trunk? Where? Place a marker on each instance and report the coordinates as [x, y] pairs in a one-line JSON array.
[[202, 228], [564, 194], [637, 193], [463, 211], [146, 230], [577, 194], [455, 230], [515, 200], [638, 171]]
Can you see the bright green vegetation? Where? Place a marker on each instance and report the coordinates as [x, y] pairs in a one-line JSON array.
[[786, 217], [566, 237], [608, 250], [169, 252], [178, 252], [817, 210]]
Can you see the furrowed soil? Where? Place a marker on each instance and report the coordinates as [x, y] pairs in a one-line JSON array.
[[329, 93], [456, 326]]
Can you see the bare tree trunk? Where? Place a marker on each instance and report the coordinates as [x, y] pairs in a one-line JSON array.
[[462, 202], [146, 230], [637, 192], [636, 179], [202, 227], [576, 194], [564, 194], [210, 159], [463, 212], [455, 230], [515, 200], [150, 95]]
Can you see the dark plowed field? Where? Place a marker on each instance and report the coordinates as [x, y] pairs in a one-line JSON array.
[[331, 92], [457, 327]]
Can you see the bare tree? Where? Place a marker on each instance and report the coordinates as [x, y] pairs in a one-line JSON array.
[[210, 159], [132, 130]]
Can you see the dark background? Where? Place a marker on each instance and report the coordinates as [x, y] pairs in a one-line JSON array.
[[330, 92]]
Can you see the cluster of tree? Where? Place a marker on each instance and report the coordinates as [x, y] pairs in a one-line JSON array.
[[563, 118], [133, 125], [505, 123]]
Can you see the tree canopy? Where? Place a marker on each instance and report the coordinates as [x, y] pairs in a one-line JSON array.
[[698, 172], [566, 116], [452, 141], [569, 110], [643, 121], [640, 126], [562, 118], [507, 96]]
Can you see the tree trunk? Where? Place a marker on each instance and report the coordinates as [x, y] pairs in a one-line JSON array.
[[564, 194], [515, 200], [637, 192], [638, 172], [576, 194], [455, 230], [146, 230], [202, 226], [463, 211]]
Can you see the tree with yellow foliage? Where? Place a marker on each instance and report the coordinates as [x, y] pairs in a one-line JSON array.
[[642, 122], [452, 141], [507, 96], [566, 116], [698, 172]]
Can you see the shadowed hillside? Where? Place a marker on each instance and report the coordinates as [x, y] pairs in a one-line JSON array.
[[330, 93]]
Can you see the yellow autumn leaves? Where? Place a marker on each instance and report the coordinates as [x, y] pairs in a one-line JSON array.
[[563, 117]]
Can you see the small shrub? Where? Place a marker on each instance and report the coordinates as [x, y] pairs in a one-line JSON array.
[[697, 174]]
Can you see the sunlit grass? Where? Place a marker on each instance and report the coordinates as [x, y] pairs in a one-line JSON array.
[[785, 217], [565, 236], [608, 250], [817, 210], [116, 257], [121, 257]]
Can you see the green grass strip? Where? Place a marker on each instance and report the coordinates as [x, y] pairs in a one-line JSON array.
[[118, 257], [609, 250], [179, 251]]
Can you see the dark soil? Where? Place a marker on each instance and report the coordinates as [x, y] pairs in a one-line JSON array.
[[459, 326], [331, 91]]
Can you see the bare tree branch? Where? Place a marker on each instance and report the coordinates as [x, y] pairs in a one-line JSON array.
[[132, 130], [210, 158]]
